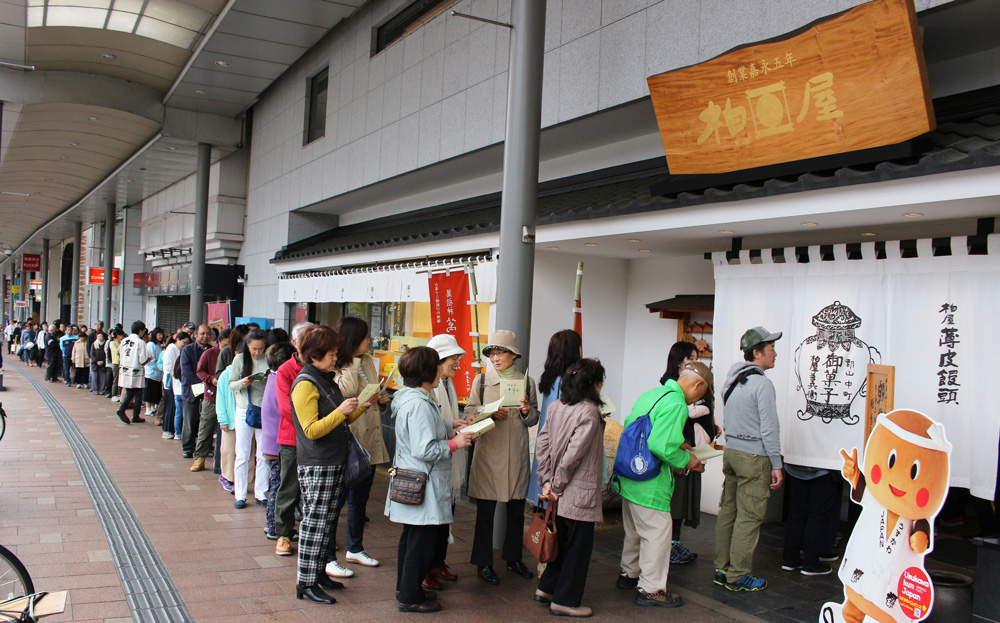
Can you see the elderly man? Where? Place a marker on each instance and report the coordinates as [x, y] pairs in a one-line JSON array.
[[189, 378], [751, 463], [132, 360]]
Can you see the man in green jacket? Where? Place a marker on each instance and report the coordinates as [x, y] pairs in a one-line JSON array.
[[646, 504]]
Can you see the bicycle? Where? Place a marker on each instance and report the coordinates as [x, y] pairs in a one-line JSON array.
[[3, 421], [15, 581]]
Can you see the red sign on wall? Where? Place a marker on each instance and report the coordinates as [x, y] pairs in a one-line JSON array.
[[96, 276], [450, 314], [31, 263]]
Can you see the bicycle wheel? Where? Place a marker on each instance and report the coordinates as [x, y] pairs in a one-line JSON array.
[[14, 578]]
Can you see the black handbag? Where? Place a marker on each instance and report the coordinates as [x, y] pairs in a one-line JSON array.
[[359, 461]]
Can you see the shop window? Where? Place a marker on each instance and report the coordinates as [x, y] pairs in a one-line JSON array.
[[316, 96], [411, 17]]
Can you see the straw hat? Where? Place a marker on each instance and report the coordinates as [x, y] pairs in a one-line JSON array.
[[503, 340], [446, 345]]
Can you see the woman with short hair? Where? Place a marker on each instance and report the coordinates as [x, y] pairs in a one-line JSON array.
[[424, 443], [320, 414]]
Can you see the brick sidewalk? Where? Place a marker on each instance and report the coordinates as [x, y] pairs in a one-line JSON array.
[[217, 556]]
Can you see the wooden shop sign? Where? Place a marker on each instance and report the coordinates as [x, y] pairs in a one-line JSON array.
[[847, 82]]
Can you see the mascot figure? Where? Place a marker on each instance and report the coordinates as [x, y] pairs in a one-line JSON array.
[[901, 488]]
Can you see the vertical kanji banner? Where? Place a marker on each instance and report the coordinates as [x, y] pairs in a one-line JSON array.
[[450, 314]]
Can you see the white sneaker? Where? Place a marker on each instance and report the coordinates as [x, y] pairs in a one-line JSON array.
[[362, 558], [168, 435], [177, 437], [116, 399], [338, 570], [149, 412]]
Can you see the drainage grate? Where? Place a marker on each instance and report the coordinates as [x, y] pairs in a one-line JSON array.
[[151, 594]]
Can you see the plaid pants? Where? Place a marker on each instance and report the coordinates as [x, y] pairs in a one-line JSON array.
[[322, 487]]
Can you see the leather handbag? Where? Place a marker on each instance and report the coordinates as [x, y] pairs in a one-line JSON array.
[[542, 540], [407, 486], [359, 462]]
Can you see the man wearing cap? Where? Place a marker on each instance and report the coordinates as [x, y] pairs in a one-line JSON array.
[[645, 561], [751, 463]]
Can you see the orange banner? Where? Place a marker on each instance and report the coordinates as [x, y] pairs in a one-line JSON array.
[[450, 314]]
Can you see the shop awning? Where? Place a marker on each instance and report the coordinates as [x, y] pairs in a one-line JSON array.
[[682, 303]]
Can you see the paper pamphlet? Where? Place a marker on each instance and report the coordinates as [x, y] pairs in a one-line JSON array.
[[391, 371], [485, 411], [480, 427], [512, 391], [260, 376], [369, 390], [198, 389], [606, 406], [705, 452]]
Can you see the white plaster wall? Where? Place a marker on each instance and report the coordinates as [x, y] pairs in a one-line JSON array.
[[604, 303], [129, 263]]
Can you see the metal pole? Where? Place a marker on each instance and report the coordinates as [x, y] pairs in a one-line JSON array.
[[520, 172], [42, 311], [200, 234], [109, 263], [25, 290], [74, 302]]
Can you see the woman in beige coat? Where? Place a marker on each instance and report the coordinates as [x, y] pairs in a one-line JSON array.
[[81, 361], [354, 370], [500, 465], [570, 451]]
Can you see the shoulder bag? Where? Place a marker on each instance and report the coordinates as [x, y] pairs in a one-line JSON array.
[[253, 418], [359, 461], [634, 459], [407, 486], [541, 539]]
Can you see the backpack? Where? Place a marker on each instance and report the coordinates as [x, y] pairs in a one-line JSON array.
[[634, 460]]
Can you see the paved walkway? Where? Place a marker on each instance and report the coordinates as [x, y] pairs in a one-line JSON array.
[[211, 563]]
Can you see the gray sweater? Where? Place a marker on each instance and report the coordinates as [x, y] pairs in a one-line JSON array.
[[751, 415]]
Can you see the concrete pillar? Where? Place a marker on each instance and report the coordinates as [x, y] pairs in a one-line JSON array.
[[74, 302], [43, 311], [520, 172], [25, 289], [200, 233], [109, 263]]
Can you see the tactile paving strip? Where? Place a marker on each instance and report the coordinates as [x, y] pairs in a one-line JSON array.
[[151, 594]]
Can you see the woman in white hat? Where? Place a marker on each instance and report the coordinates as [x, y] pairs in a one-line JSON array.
[[500, 466], [451, 355]]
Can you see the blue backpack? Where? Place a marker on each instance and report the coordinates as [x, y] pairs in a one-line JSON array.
[[634, 460]]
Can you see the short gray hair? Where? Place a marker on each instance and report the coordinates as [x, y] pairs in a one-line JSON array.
[[299, 328]]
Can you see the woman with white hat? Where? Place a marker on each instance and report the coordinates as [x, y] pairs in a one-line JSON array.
[[451, 354], [500, 466]]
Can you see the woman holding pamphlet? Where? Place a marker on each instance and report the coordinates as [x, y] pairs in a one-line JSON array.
[[355, 374], [424, 445], [247, 379], [500, 466], [570, 453]]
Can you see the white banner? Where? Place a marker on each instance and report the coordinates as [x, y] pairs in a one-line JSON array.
[[389, 285], [933, 318]]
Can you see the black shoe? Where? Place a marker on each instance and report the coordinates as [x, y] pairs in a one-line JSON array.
[[187, 455], [314, 594], [124, 418], [518, 567], [428, 606], [488, 575], [428, 595], [624, 582], [325, 581]]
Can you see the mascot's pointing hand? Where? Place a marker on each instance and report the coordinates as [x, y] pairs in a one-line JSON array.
[[850, 470], [919, 542]]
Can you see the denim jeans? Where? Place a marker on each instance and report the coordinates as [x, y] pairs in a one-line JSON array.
[[357, 501], [178, 415], [168, 409]]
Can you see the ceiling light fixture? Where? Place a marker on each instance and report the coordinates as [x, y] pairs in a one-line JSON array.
[[109, 57], [809, 224], [633, 240], [64, 157], [128, 181], [4, 192], [171, 148], [913, 214], [643, 250], [726, 231], [591, 244], [93, 118], [868, 233], [74, 144], [552, 248], [142, 168], [199, 92], [223, 63]]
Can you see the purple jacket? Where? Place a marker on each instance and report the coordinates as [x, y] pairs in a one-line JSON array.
[[269, 417]]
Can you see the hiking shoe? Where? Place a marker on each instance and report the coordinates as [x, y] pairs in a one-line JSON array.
[[817, 570], [680, 555], [747, 583], [662, 599], [720, 577], [625, 582], [791, 566]]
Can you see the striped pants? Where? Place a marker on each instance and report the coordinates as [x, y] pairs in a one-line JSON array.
[[322, 487]]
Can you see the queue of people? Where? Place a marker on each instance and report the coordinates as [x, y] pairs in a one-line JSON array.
[[288, 410]]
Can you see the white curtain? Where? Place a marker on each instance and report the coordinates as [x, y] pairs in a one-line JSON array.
[[933, 318], [395, 285]]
